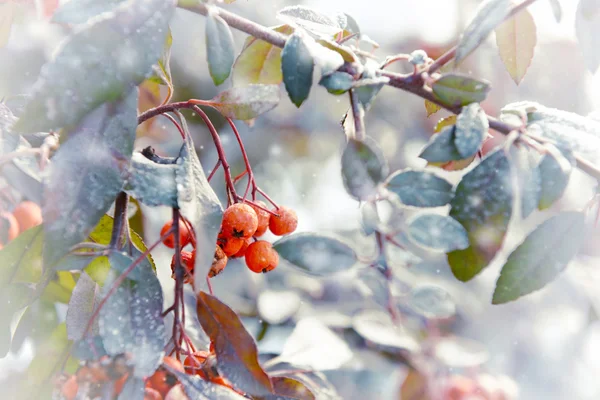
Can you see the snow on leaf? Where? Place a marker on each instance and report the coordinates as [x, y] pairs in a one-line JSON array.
[[246, 102], [151, 183], [259, 61], [363, 167], [81, 307], [483, 205], [441, 147], [420, 188], [471, 130], [297, 66], [366, 93], [543, 255], [237, 355], [316, 254], [220, 51], [587, 29], [80, 11], [529, 179], [488, 16], [312, 20], [199, 204], [378, 329], [438, 232], [117, 49], [516, 39], [133, 389], [86, 174]]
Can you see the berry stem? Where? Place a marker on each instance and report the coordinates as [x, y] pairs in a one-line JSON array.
[[214, 170], [251, 181]]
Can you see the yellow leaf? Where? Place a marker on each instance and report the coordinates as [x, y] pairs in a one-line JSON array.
[[444, 122], [516, 39], [259, 61], [431, 108]]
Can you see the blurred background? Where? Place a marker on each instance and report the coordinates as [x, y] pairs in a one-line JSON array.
[[547, 343]]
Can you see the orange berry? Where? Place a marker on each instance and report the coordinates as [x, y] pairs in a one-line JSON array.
[[28, 215], [242, 251], [152, 394], [285, 223], [69, 388], [193, 363], [184, 235], [458, 388], [219, 263], [260, 257], [119, 383], [188, 260], [240, 221], [9, 227], [263, 218], [162, 380], [229, 244]]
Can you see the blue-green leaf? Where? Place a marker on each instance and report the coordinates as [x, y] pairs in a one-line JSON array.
[[432, 302], [529, 179], [246, 102], [471, 130], [363, 168], [337, 82], [456, 90], [420, 188], [543, 255], [555, 171], [297, 66], [117, 49], [483, 205], [220, 50], [79, 11], [86, 174], [316, 254], [438, 232], [441, 147]]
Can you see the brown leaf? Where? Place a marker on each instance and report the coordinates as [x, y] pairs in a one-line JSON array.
[[237, 355], [291, 388], [414, 387], [516, 39]]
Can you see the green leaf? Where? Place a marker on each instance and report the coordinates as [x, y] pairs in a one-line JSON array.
[[13, 299], [543, 255], [198, 203], [516, 39], [86, 174], [420, 188], [117, 49], [432, 302], [312, 20], [49, 356], [471, 130], [162, 70], [337, 82], [297, 66], [81, 307], [131, 320], [259, 61], [455, 90], [220, 50], [79, 11], [22, 258], [237, 355], [316, 254], [555, 171], [587, 31], [438, 232], [246, 102], [483, 205], [488, 16], [363, 168], [441, 147]]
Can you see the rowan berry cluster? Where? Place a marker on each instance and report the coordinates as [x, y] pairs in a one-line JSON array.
[[242, 225], [25, 215]]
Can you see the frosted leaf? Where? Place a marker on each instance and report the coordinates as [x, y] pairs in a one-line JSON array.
[[312, 20], [297, 66], [246, 102], [420, 188], [316, 254], [198, 389], [461, 353], [220, 51], [471, 129], [441, 147], [555, 171], [529, 179], [79, 11], [438, 232], [81, 307], [276, 307], [483, 205], [363, 167], [366, 93], [151, 183], [133, 389], [131, 320], [378, 329], [100, 61], [432, 302], [86, 174]]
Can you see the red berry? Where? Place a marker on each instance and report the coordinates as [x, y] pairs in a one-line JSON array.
[[193, 363], [188, 260], [28, 214], [240, 221], [9, 227], [184, 235], [285, 223], [229, 244], [219, 263], [162, 380], [263, 218], [260, 257], [242, 251], [69, 388]]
